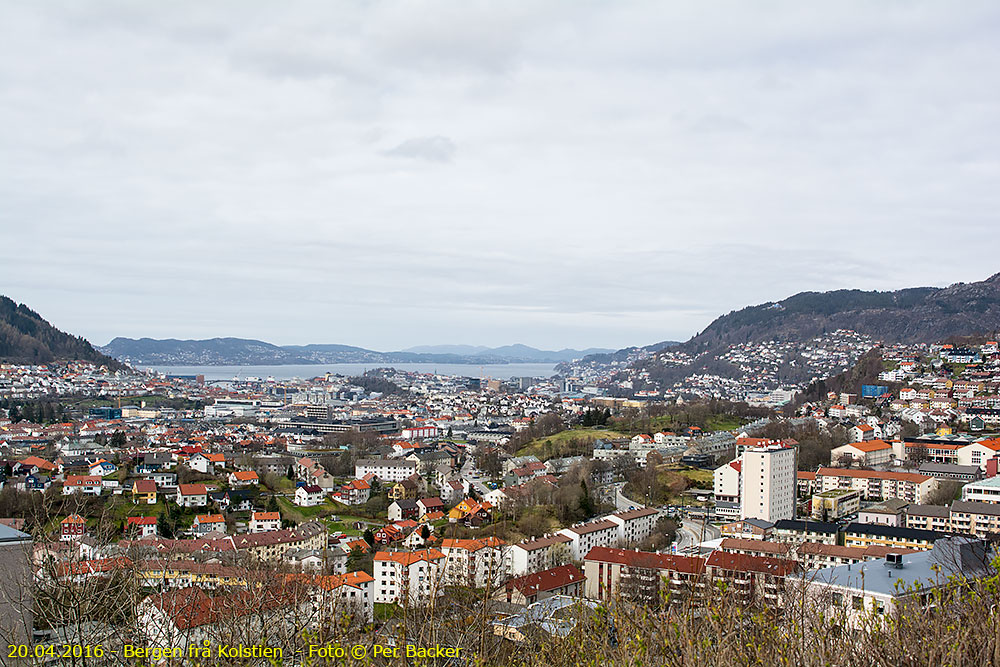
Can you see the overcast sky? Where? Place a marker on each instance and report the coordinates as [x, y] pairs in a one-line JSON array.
[[562, 174]]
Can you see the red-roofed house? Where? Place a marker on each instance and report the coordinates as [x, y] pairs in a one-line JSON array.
[[562, 580], [86, 484], [864, 453], [309, 495], [73, 527], [141, 526], [243, 478], [207, 523], [192, 495], [144, 492], [263, 522], [751, 578], [408, 576], [355, 492]]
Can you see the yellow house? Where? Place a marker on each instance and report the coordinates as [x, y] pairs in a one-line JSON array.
[[404, 489], [460, 510], [144, 492]]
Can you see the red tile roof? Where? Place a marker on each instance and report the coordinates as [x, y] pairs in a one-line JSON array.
[[547, 580], [648, 560], [745, 563]]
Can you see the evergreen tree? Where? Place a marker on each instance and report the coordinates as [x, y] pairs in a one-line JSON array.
[[290, 473], [118, 440], [586, 506], [163, 527], [369, 537]]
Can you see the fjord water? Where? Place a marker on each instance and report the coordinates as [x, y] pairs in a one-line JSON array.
[[495, 371]]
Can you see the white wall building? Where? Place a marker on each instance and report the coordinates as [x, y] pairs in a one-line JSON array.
[[386, 470], [408, 577], [767, 488]]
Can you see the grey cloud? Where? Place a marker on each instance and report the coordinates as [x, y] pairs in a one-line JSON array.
[[431, 149], [628, 170]]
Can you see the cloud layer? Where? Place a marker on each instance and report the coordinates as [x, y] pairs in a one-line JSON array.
[[390, 174]]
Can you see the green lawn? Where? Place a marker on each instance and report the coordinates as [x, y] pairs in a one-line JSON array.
[[386, 610], [285, 485], [290, 510], [699, 478], [571, 442]]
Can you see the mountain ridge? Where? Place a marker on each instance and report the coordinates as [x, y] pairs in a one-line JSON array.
[[226, 351], [28, 338], [910, 315]]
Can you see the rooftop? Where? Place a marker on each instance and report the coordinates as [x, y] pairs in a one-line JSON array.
[[953, 556]]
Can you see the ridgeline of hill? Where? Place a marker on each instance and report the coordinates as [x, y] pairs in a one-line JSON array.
[[26, 338], [919, 314], [241, 351]]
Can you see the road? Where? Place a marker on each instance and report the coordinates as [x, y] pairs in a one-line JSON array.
[[689, 533], [623, 503]]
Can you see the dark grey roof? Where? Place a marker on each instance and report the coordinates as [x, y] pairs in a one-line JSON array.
[[891, 506], [948, 468], [882, 530], [8, 535], [928, 510], [806, 526], [975, 508]]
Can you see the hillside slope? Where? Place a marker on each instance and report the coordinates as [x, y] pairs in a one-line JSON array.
[[27, 338], [921, 314]]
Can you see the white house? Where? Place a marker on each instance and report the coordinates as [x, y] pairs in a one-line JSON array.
[[386, 470], [634, 526], [264, 522], [476, 563], [585, 536], [192, 495], [309, 495]]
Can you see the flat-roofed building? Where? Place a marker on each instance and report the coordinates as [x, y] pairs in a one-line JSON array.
[[983, 491]]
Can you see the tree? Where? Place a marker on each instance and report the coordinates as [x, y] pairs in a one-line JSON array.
[[290, 472], [369, 537], [359, 561], [425, 532], [272, 503], [118, 440], [947, 490], [488, 461], [918, 453], [586, 505]]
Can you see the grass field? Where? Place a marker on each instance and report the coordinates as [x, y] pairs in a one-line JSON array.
[[698, 478], [386, 610], [293, 512], [566, 443]]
